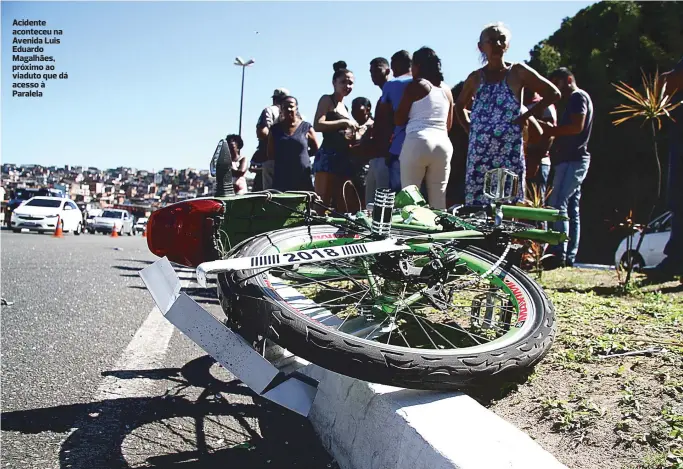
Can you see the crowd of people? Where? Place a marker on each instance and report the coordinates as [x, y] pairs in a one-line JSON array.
[[442, 140]]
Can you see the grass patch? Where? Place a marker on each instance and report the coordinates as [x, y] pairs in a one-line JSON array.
[[622, 411]]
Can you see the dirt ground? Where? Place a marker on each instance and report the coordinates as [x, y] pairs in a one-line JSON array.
[[587, 405]]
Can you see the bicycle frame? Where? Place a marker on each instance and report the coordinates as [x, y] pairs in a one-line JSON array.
[[207, 229]]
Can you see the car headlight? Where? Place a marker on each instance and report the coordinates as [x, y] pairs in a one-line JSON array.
[[51, 216]]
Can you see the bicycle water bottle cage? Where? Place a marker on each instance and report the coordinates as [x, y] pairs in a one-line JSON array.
[[500, 185], [409, 195]]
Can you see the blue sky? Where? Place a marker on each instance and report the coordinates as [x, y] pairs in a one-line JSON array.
[[152, 84]]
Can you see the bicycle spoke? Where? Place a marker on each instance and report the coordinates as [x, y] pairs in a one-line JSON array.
[[438, 333], [403, 337], [418, 323], [357, 304], [396, 311], [378, 326]]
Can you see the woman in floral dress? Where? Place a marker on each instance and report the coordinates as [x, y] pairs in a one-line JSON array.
[[496, 121]]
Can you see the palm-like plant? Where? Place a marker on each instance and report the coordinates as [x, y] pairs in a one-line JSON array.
[[653, 105]]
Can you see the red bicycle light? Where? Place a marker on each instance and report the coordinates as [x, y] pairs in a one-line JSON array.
[[186, 232]]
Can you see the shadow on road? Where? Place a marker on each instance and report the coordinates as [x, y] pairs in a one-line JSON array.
[[126, 267], [200, 292], [226, 425], [141, 261]]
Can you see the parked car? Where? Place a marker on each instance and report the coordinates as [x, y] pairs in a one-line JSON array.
[[114, 220], [651, 251], [23, 194], [41, 214], [140, 225]]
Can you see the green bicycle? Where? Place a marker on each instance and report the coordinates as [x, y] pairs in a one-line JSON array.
[[401, 294]]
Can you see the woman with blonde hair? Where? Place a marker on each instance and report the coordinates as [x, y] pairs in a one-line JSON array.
[[497, 119]]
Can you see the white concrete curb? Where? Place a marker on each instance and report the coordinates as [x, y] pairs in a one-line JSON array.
[[372, 426], [594, 266]]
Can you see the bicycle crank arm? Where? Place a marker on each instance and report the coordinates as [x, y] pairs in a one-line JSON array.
[[305, 256]]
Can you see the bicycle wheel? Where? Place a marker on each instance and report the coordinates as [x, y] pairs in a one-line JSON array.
[[415, 326]]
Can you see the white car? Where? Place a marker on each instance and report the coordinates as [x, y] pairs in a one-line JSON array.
[[114, 220], [41, 213], [651, 251], [140, 225]]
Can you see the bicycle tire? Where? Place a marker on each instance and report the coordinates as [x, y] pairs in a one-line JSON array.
[[387, 364]]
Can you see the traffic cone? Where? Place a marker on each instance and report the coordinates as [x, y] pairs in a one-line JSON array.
[[114, 233], [144, 232], [58, 230]]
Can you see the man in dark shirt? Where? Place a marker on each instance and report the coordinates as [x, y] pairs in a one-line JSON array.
[[672, 265], [269, 116], [455, 190], [570, 158]]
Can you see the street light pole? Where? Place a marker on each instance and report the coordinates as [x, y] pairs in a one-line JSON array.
[[241, 63], [242, 100]]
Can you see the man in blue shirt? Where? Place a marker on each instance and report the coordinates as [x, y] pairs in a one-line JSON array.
[[392, 92], [570, 158]]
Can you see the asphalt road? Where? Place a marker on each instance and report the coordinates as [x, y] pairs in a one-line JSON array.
[[80, 319]]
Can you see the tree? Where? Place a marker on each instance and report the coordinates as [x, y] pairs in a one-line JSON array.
[[606, 43]]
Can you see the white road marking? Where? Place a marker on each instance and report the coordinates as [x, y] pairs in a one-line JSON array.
[[145, 352]]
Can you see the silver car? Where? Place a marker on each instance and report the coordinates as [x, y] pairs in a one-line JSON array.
[[114, 220]]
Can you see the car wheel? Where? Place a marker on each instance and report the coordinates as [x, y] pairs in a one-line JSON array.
[[636, 258], [78, 229], [17, 231]]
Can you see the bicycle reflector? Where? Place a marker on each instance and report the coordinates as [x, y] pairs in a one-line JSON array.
[[381, 212], [186, 232]]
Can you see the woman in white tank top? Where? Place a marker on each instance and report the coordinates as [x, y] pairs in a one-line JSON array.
[[427, 109]]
